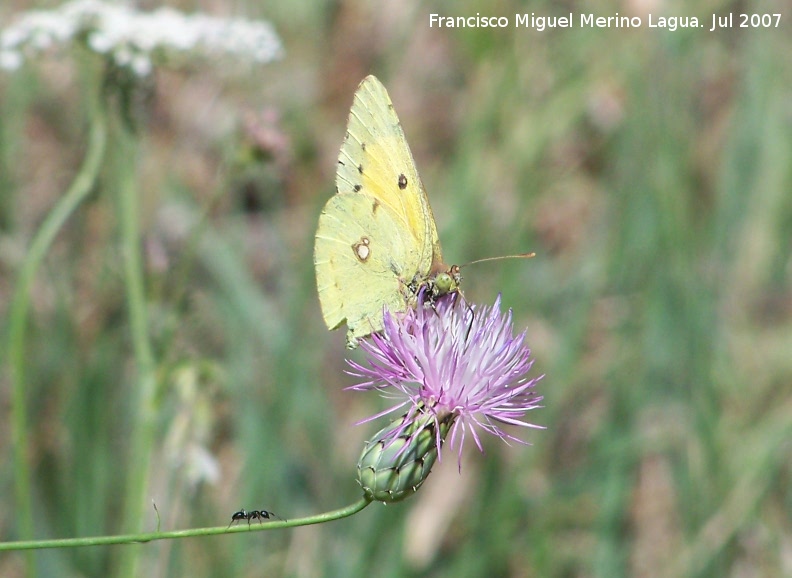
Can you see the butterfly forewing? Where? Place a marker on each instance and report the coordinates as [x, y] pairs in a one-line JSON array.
[[376, 240], [376, 159]]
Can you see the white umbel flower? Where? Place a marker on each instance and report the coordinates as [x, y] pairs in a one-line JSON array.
[[132, 39]]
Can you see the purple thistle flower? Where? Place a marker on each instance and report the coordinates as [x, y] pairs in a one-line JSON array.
[[457, 367]]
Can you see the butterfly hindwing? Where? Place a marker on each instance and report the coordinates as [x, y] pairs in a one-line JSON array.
[[361, 258]]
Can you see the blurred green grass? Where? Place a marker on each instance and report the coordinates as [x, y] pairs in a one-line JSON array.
[[651, 172]]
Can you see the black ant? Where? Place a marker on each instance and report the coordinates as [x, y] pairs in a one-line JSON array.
[[259, 515]]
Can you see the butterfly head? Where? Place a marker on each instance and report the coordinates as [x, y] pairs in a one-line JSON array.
[[445, 282]]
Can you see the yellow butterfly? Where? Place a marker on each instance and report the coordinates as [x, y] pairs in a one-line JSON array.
[[376, 243]]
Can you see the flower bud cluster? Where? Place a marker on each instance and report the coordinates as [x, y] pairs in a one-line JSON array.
[[135, 40]]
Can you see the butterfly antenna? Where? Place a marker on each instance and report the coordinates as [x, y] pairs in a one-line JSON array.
[[519, 256]]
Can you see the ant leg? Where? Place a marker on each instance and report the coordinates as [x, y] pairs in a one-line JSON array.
[[236, 516]]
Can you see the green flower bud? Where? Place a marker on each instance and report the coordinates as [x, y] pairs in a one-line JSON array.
[[392, 468]]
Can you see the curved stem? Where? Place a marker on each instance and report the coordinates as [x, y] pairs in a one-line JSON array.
[[17, 325], [154, 536]]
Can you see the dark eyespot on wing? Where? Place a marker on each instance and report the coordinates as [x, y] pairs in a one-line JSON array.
[[360, 169], [357, 188], [402, 182], [363, 146], [374, 206]]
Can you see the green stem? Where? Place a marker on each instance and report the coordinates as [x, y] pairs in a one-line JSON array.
[[145, 416], [17, 325], [154, 536]]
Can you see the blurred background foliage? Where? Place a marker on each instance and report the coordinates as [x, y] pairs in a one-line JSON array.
[[651, 171]]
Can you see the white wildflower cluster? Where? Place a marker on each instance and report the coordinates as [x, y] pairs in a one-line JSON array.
[[133, 38]]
